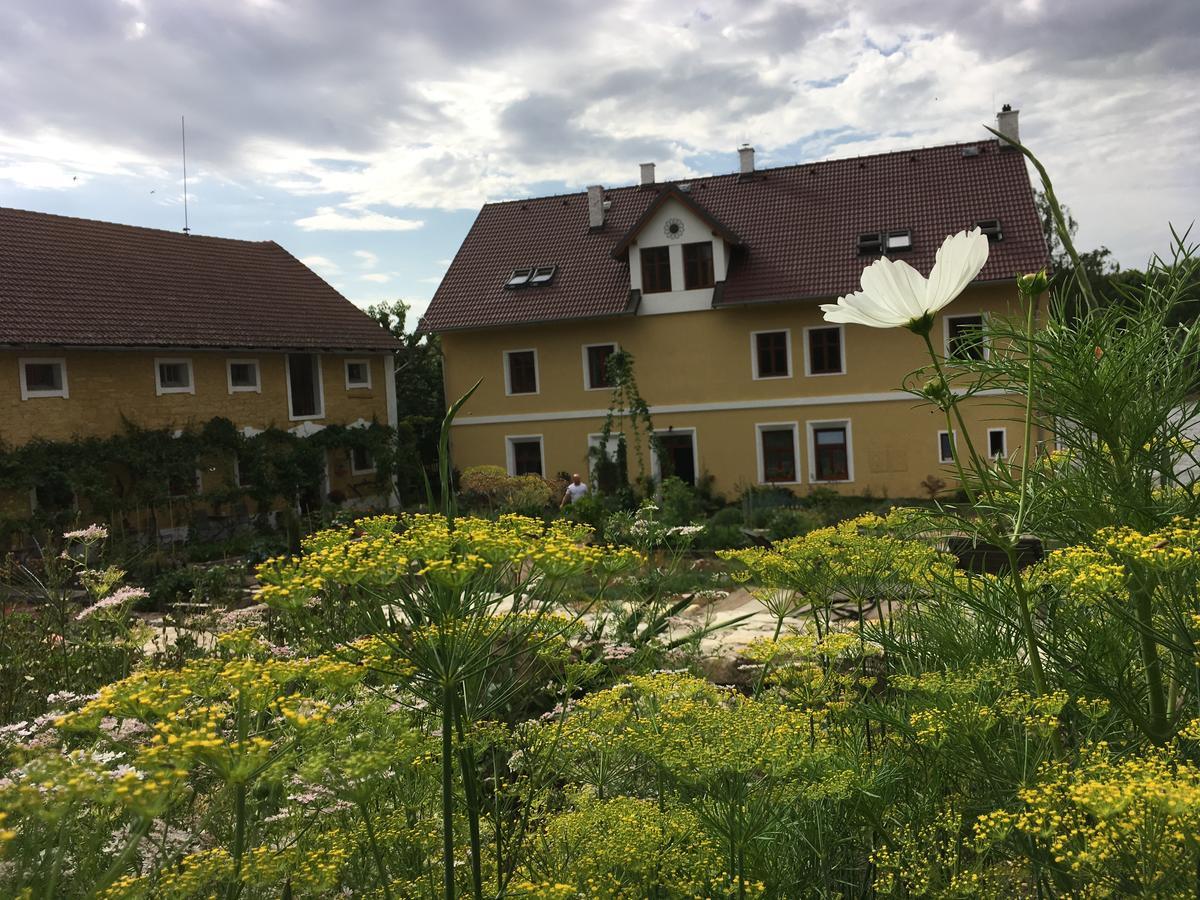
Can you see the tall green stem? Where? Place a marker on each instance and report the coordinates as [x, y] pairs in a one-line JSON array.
[[1027, 441], [448, 789], [1151, 662], [375, 851]]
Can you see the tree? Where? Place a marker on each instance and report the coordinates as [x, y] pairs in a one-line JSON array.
[[420, 400]]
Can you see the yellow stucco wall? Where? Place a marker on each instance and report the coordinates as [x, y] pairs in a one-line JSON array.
[[695, 370]]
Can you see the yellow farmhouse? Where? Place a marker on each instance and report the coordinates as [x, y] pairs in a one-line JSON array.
[[713, 285], [103, 325]]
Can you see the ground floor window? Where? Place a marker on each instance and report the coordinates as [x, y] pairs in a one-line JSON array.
[[778, 457], [830, 451], [525, 455], [676, 456], [997, 443], [361, 462], [946, 446]]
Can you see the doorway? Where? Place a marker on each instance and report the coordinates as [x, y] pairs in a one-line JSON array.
[[678, 455]]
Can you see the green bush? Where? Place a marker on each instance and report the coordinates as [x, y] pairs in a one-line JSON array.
[[789, 522]]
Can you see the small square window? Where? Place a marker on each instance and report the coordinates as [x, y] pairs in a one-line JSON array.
[[656, 270], [521, 371], [945, 447], [43, 378], [965, 339], [243, 375], [358, 374], [525, 456], [772, 354], [173, 376], [596, 365], [871, 242], [899, 240], [519, 278], [361, 462], [991, 229], [997, 443]]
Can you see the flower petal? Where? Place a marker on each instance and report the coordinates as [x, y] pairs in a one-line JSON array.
[[897, 287], [960, 258]]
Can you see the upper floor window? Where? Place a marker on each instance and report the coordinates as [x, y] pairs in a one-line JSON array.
[[656, 270], [825, 351], [965, 339], [173, 376], [43, 378], [243, 375], [698, 265], [595, 365], [306, 394], [358, 374], [520, 371], [772, 354]]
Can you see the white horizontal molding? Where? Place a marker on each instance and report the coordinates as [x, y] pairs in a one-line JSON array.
[[719, 406]]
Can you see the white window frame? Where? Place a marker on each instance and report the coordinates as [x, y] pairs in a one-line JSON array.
[[537, 375], [287, 374], [808, 372], [983, 327], [593, 441], [656, 463], [811, 426], [510, 457], [160, 361], [1003, 454], [242, 389], [953, 435], [759, 428], [357, 385], [35, 394], [587, 386], [354, 470], [754, 354]]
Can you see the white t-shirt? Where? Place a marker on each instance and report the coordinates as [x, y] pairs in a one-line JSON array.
[[575, 491]]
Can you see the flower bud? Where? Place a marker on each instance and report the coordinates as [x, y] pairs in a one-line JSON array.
[[1033, 283], [937, 392]]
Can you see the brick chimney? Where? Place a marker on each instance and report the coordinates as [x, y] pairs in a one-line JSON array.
[[1006, 124], [647, 173], [746, 159], [595, 194]]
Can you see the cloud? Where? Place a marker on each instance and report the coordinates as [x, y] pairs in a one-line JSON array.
[[366, 258], [321, 264], [377, 277], [327, 218]]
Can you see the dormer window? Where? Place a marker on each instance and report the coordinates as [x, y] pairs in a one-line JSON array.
[[656, 270], [698, 265], [991, 229], [899, 240], [543, 274], [519, 278]]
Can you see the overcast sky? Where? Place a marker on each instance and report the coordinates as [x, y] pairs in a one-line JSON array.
[[364, 135]]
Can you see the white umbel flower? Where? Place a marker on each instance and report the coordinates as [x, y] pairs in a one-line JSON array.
[[894, 294]]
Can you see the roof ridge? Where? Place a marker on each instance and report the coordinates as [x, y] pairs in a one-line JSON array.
[[209, 237], [716, 175]]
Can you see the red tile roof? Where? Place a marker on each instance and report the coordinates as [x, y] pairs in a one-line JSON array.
[[799, 227], [79, 282]]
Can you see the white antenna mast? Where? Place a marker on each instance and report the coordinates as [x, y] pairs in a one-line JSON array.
[[183, 137]]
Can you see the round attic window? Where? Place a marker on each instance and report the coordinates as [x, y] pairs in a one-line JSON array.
[[673, 228]]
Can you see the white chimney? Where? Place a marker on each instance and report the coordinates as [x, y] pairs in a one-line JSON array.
[[1006, 124], [647, 173], [746, 159], [595, 206]]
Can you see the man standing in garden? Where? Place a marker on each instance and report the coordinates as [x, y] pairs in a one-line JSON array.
[[575, 490]]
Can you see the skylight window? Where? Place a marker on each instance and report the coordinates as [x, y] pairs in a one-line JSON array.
[[870, 243], [991, 228], [519, 278], [543, 274], [899, 240]]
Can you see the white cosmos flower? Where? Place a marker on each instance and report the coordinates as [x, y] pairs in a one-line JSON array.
[[895, 294]]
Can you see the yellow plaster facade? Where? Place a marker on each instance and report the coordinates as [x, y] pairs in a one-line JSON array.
[[696, 371]]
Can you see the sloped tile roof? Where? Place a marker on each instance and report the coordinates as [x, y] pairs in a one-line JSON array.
[[799, 227], [79, 282]]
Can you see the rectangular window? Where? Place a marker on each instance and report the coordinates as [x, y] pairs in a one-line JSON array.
[[241, 472], [830, 453], [43, 378], [945, 448], [997, 443], [243, 375], [525, 455], [772, 354], [965, 338], [361, 462], [173, 376], [825, 351], [520, 371], [358, 374], [656, 270], [306, 397], [595, 365], [698, 265], [777, 453]]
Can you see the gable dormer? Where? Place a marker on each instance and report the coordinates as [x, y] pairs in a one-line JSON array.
[[678, 253]]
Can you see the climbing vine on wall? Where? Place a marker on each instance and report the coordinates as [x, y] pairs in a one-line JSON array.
[[628, 411], [142, 469]]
